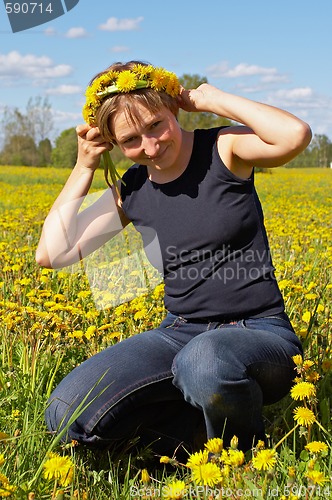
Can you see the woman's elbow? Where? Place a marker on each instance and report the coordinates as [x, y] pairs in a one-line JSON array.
[[302, 136], [43, 259]]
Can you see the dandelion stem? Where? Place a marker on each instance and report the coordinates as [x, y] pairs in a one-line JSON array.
[[286, 436]]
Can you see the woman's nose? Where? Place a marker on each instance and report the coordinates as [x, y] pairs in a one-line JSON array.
[[150, 146]]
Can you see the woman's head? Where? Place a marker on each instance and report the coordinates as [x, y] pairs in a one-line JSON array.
[[123, 87]]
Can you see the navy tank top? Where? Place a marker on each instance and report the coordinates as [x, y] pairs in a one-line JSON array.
[[216, 260]]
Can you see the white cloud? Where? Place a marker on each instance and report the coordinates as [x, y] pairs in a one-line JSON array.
[[76, 33], [115, 24], [294, 94], [119, 48], [68, 118], [243, 69], [50, 31], [15, 65], [274, 78], [64, 90], [308, 105]]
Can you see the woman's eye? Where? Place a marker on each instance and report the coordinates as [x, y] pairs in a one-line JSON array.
[[129, 140], [155, 124]]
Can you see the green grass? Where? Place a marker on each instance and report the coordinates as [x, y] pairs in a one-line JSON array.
[[46, 317]]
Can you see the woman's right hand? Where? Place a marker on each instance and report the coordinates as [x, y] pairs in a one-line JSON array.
[[91, 146]]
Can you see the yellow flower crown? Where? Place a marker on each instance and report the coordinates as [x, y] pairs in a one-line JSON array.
[[115, 82]]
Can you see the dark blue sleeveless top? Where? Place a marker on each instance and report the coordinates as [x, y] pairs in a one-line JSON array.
[[215, 254]]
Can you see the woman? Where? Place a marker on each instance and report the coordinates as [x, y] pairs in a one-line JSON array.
[[225, 347]]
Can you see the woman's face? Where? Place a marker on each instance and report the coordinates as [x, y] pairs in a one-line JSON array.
[[153, 139]]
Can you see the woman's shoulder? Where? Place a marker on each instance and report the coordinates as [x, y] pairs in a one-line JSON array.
[[133, 179]]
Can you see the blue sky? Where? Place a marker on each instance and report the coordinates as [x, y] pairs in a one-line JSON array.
[[276, 52]]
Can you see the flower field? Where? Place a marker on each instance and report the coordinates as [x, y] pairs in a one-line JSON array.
[[50, 323]]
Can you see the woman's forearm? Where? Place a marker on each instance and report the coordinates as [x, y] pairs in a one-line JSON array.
[[273, 136], [60, 226], [269, 123]]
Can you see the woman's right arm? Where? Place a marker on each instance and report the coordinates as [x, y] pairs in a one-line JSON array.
[[69, 235]]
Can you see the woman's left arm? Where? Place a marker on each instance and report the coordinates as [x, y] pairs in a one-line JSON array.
[[270, 136]]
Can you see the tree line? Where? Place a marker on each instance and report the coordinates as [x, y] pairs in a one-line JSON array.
[[26, 135]]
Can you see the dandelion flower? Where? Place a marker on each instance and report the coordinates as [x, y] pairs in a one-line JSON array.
[[145, 478], [265, 459], [234, 442], [126, 81], [198, 458], [6, 490], [208, 474], [307, 364], [173, 86], [214, 445], [175, 490], [291, 471], [316, 447], [164, 459], [303, 390], [304, 416], [306, 316], [298, 360], [60, 468], [159, 79], [235, 458], [313, 376], [316, 477]]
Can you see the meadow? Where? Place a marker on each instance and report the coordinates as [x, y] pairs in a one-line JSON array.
[[50, 323]]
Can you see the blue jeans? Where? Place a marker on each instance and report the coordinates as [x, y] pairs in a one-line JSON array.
[[169, 384]]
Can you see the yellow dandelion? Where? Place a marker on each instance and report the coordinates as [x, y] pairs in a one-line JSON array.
[[126, 81], [316, 447], [6, 490], [232, 457], [311, 296], [142, 71], [2, 459], [307, 364], [303, 390], [90, 331], [291, 471], [89, 115], [260, 445], [158, 79], [60, 468], [175, 490], [3, 436], [316, 477], [164, 459], [313, 376], [145, 477], [265, 459], [306, 316], [289, 497], [105, 80], [3, 478], [91, 97], [173, 85], [234, 442], [304, 416], [214, 445], [208, 474], [298, 360], [198, 458]]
